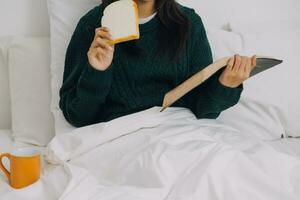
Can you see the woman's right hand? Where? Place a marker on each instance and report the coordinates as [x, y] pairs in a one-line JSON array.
[[100, 54]]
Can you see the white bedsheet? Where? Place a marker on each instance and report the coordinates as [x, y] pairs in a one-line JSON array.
[[155, 156], [289, 146]]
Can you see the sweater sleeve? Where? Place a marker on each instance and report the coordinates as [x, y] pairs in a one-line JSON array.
[[84, 89], [210, 98]]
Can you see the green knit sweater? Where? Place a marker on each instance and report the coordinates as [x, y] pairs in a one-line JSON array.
[[136, 82]]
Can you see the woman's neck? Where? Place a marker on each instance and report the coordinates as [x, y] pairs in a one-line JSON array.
[[146, 8]]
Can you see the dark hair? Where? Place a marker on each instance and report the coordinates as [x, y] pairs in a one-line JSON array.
[[175, 27]]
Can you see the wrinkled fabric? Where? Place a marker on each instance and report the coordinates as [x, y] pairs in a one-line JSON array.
[[169, 155]]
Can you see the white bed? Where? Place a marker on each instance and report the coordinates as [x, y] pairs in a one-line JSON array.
[[287, 145], [168, 155]]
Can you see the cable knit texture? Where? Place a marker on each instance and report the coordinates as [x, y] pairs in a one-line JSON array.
[[136, 82]]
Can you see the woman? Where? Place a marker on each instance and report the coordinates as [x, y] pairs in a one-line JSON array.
[[103, 82]]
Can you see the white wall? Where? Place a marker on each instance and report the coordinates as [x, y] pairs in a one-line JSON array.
[[5, 111], [24, 17]]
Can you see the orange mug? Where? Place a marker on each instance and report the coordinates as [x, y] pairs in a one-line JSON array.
[[25, 167]]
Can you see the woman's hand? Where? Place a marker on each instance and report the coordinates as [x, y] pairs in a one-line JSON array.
[[100, 54], [237, 71]]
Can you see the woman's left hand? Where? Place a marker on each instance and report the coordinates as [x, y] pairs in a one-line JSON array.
[[237, 71]]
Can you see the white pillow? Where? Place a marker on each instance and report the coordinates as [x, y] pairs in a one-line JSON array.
[[214, 13], [29, 76], [5, 113], [266, 26], [219, 13], [223, 43], [263, 12], [64, 16], [269, 106]]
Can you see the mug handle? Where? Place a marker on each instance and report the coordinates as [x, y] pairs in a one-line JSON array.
[[7, 173]]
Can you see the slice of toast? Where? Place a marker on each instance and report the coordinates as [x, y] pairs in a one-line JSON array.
[[122, 19]]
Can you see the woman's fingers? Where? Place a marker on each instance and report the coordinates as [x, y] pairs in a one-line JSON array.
[[243, 65], [100, 54], [253, 59], [101, 29], [99, 42], [248, 67], [241, 68], [237, 63], [230, 64], [103, 33]]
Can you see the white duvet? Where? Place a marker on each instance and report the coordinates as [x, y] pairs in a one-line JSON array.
[[161, 156]]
